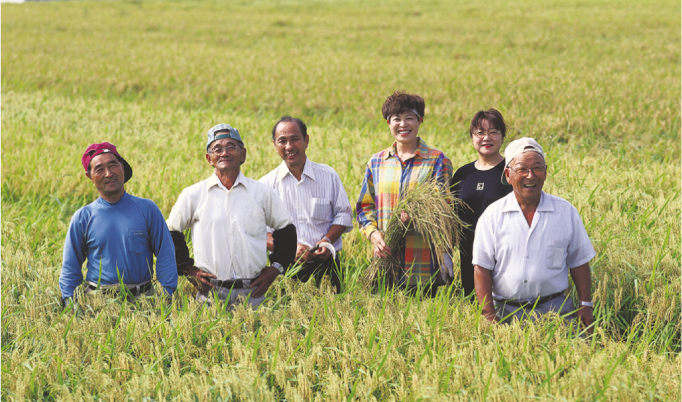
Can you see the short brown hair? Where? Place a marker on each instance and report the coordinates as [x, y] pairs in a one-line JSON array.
[[402, 102], [494, 118]]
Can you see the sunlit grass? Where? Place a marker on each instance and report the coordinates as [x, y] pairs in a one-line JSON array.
[[597, 83]]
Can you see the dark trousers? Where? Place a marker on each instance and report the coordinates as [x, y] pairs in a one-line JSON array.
[[319, 269], [466, 248]]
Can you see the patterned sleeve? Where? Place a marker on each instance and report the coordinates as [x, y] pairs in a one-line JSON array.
[[366, 206], [443, 171]]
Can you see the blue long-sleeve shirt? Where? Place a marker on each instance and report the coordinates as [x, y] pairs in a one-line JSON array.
[[122, 238]]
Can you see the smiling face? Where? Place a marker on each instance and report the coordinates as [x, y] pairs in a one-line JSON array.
[[106, 173], [226, 155], [487, 140], [527, 188], [405, 127], [291, 144]]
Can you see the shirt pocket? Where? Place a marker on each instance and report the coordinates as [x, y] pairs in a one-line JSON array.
[[253, 223], [557, 253], [320, 209], [137, 241]]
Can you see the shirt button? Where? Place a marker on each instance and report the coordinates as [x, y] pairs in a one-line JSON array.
[[525, 281]]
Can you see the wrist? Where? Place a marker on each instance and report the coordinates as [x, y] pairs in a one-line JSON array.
[[586, 304], [278, 267], [325, 239]]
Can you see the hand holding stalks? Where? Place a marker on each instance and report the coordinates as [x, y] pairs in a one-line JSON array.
[[380, 248]]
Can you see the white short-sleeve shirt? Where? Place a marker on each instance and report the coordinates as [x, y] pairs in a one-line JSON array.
[[528, 262], [229, 227], [315, 203]]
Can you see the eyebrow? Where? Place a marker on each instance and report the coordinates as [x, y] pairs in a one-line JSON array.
[[114, 161]]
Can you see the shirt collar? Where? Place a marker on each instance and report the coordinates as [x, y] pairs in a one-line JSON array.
[[512, 204], [283, 171], [422, 150], [213, 180], [546, 203]]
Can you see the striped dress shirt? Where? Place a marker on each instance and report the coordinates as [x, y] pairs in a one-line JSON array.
[[386, 179], [315, 203]]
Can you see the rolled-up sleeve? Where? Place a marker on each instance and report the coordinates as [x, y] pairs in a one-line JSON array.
[[341, 209]]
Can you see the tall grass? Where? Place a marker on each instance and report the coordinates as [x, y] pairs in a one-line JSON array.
[[597, 84]]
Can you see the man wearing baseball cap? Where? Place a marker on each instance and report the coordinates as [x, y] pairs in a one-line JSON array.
[[527, 243], [117, 234], [228, 214]]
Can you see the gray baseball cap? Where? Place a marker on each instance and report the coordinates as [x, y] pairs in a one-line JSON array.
[[231, 132]]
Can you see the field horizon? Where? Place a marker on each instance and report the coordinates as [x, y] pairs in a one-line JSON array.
[[597, 84]]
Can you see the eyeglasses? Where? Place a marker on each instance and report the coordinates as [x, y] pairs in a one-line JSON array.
[[492, 133], [537, 171], [228, 148]]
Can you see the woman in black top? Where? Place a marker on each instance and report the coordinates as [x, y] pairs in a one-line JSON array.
[[479, 184]]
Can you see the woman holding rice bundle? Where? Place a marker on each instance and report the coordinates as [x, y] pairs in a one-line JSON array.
[[389, 175], [479, 184]]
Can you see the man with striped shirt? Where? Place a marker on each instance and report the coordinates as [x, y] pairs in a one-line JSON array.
[[315, 198]]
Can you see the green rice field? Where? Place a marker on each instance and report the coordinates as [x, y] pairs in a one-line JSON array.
[[596, 83]]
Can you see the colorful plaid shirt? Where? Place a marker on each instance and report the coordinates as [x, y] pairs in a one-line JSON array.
[[386, 179]]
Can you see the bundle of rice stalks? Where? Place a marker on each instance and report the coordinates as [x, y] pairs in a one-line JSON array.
[[432, 215]]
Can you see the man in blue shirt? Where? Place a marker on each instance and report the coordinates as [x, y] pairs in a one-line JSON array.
[[117, 234]]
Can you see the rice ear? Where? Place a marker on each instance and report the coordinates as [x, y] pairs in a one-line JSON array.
[[432, 211]]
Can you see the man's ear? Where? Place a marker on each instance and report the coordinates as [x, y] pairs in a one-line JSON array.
[[243, 156], [208, 158], [87, 174]]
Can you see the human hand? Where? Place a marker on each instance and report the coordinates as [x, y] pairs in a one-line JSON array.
[[380, 248], [491, 316], [264, 280], [321, 253], [586, 316], [404, 218], [303, 253], [200, 279]]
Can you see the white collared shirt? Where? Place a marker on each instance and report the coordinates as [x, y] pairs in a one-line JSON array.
[[229, 227], [528, 262], [315, 203]]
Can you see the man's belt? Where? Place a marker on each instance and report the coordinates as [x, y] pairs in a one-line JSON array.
[[136, 290], [233, 284], [540, 300]]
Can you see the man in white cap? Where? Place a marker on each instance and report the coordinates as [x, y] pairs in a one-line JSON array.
[[527, 243], [315, 198], [228, 214]]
